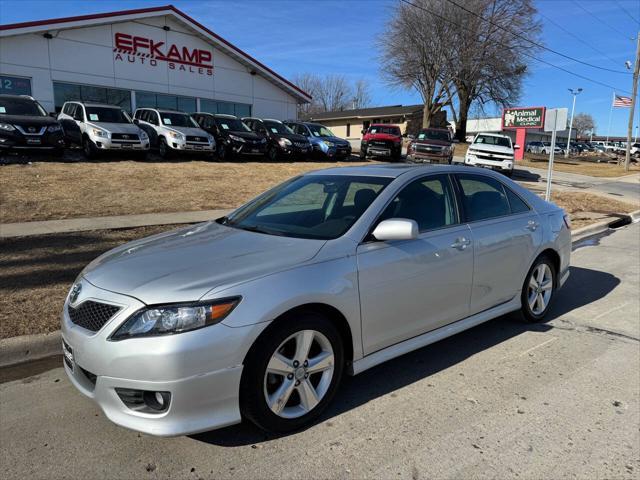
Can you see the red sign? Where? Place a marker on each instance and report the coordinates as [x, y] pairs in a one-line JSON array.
[[148, 51]]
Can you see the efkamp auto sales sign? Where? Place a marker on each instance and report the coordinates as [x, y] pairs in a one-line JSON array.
[[526, 117]]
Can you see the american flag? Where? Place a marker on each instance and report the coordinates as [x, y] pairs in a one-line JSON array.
[[620, 101]]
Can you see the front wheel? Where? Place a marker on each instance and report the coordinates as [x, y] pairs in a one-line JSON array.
[[292, 373], [89, 149], [163, 148], [363, 154], [272, 154], [538, 289]]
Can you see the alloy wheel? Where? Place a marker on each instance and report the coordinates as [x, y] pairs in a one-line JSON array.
[[299, 374], [540, 289]]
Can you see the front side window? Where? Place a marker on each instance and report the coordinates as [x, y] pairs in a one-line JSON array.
[[20, 107], [319, 207], [429, 201], [483, 197]]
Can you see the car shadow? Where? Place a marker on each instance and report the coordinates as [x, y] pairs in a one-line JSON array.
[[583, 287], [525, 175]]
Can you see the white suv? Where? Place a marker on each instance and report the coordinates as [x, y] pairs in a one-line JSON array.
[[174, 131], [492, 150], [99, 128]]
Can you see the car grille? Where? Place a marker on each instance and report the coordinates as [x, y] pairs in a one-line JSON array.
[[496, 157], [125, 136], [92, 315], [381, 143], [191, 138], [428, 148]]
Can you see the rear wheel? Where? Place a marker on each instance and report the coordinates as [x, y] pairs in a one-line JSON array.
[[292, 373], [538, 289]]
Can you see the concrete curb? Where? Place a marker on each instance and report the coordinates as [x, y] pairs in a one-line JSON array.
[[27, 348]]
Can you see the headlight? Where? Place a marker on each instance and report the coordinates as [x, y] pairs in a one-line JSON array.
[[168, 320], [471, 158], [7, 127], [176, 135], [284, 142], [54, 128], [99, 133], [143, 135], [235, 138], [263, 140], [328, 143]]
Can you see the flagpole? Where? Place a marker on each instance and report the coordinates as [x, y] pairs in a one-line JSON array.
[[613, 99]]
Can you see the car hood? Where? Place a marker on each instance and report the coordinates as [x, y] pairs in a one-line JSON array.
[[245, 135], [337, 140], [483, 147], [117, 127], [28, 120], [294, 137], [188, 130], [183, 265]]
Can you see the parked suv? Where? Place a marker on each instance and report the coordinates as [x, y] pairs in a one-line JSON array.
[[381, 140], [233, 137], [101, 128], [173, 131], [323, 141], [431, 145], [281, 141], [25, 126], [492, 150]]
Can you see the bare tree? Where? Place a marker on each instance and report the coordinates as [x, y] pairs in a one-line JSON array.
[[361, 94], [584, 123], [334, 93]]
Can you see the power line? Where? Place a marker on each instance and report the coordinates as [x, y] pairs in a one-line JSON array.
[[583, 77], [519, 35], [576, 37], [626, 11], [601, 20]]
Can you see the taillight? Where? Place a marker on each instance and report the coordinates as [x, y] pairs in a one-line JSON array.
[[567, 220]]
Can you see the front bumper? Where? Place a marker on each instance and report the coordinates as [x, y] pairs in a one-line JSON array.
[[18, 142], [192, 146], [200, 369], [421, 157], [248, 149], [503, 165], [104, 143]]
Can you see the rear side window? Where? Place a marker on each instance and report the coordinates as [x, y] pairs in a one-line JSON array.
[[483, 197], [515, 202]]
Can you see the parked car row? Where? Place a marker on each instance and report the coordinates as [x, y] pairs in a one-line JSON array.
[[101, 128]]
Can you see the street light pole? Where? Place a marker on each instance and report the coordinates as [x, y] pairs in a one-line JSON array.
[[573, 108], [636, 72]]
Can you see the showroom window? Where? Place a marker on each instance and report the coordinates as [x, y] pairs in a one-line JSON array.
[[14, 85], [66, 92], [229, 108], [161, 100]]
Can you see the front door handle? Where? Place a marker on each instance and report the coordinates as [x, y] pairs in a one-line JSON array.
[[461, 243], [532, 225]]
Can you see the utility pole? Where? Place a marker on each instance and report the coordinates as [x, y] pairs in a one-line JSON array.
[[636, 70], [573, 108]]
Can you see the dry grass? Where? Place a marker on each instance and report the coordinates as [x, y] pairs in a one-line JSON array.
[[584, 168], [36, 273], [55, 190], [585, 208]]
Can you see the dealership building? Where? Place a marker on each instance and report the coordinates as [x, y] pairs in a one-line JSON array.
[[152, 57]]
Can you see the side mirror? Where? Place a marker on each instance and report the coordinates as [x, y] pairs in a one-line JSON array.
[[396, 229], [53, 114], [516, 147], [136, 121], [362, 132]]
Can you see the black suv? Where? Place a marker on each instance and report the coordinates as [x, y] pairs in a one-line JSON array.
[[281, 141], [25, 126], [233, 138]]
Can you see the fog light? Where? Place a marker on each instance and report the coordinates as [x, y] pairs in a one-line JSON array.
[[158, 401], [144, 400], [99, 144]]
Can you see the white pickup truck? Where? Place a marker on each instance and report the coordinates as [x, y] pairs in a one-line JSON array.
[[492, 150]]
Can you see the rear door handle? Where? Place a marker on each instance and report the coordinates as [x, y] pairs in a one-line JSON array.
[[532, 225], [461, 243]]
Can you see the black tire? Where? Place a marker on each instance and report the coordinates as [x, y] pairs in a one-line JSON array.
[[272, 154], [89, 149], [527, 312], [222, 152], [163, 149], [253, 403], [363, 153]]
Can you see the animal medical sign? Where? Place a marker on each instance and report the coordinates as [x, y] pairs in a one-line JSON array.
[[147, 51], [527, 117]]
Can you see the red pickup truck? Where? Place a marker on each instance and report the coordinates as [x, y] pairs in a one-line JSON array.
[[431, 145], [381, 140]]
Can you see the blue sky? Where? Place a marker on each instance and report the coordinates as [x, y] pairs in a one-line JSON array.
[[339, 36]]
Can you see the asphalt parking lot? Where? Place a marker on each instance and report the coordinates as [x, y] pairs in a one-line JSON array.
[[505, 399]]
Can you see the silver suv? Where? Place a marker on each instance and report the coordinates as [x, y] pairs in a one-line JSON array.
[[100, 128], [174, 131]]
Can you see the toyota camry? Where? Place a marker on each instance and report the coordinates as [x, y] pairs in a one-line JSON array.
[[257, 315]]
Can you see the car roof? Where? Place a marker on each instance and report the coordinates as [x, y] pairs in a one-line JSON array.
[[17, 97], [224, 115], [95, 104], [488, 134], [389, 170], [384, 125], [272, 120]]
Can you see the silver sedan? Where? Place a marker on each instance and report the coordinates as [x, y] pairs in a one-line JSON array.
[[258, 315]]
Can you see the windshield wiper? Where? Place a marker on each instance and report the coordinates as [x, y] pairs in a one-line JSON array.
[[257, 229]]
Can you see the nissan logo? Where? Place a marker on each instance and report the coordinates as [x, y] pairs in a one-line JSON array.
[[32, 129]]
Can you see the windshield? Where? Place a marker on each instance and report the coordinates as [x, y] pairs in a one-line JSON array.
[[434, 135], [383, 129], [232, 125], [277, 127], [318, 207], [491, 140], [178, 120], [19, 106], [320, 130], [107, 115]]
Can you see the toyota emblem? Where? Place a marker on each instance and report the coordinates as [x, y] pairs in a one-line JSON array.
[[75, 292], [125, 137]]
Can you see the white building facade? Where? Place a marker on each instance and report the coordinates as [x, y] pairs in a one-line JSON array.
[[152, 57]]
